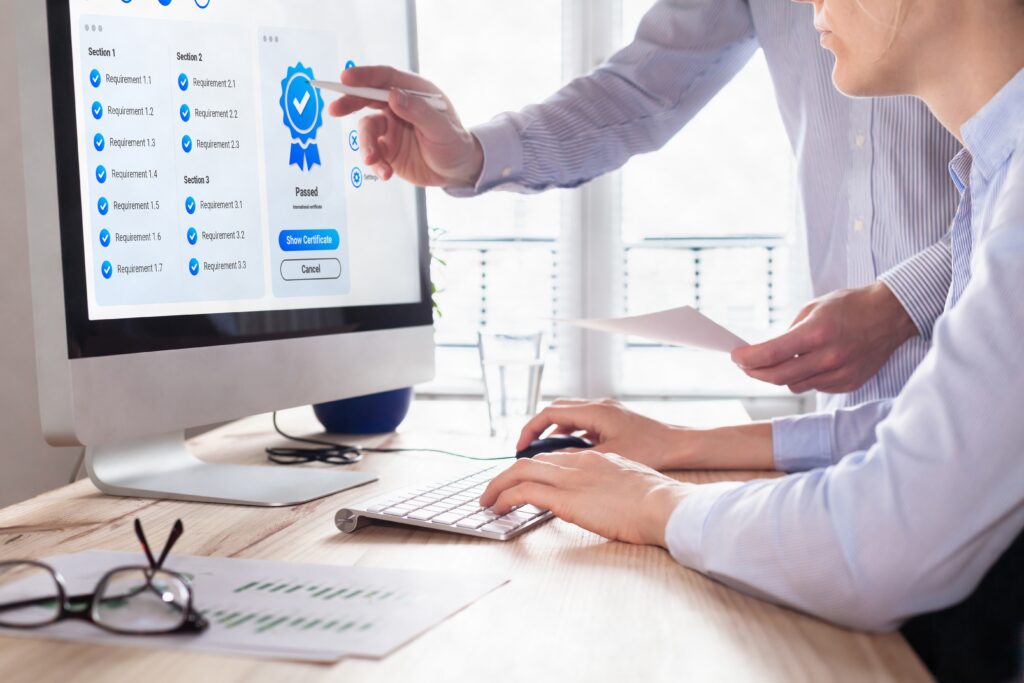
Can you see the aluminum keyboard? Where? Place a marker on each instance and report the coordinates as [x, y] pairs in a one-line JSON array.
[[449, 505]]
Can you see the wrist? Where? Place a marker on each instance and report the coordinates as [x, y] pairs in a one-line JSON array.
[[899, 322], [688, 448], [474, 165], [662, 502]]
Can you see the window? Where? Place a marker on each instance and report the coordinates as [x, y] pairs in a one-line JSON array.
[[678, 235]]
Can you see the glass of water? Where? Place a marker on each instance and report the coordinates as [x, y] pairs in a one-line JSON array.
[[512, 365]]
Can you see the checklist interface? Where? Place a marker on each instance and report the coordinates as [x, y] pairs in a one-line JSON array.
[[213, 178], [174, 187]]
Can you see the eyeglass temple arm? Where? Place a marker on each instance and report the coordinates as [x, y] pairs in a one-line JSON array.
[[176, 531]]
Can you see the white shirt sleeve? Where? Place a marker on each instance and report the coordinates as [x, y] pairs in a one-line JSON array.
[[911, 524]]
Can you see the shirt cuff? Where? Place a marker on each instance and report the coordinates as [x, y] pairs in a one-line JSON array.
[[503, 157], [802, 442], [684, 532], [921, 284]]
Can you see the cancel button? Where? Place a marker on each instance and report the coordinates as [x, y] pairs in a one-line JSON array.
[[311, 269]]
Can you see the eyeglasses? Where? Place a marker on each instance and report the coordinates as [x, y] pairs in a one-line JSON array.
[[133, 600]]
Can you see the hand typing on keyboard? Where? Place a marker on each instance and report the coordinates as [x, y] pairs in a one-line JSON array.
[[449, 505], [601, 492]]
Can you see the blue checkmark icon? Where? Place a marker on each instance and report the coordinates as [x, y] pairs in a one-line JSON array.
[[192, 236], [186, 144], [103, 206], [185, 113], [107, 270], [97, 110], [190, 206], [104, 238], [99, 142], [183, 82], [95, 77], [193, 267], [101, 174]]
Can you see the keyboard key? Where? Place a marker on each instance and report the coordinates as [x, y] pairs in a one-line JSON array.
[[518, 517], [472, 522], [446, 518], [398, 511], [532, 509], [500, 526], [422, 515]]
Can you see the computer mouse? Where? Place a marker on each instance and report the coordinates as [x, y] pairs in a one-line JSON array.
[[555, 442]]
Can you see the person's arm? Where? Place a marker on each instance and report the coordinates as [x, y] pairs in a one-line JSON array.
[[907, 527], [921, 283], [804, 442], [682, 55], [912, 524]]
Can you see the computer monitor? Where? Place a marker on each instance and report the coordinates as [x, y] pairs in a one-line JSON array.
[[204, 244]]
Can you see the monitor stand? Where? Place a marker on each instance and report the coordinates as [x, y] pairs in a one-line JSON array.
[[162, 467]]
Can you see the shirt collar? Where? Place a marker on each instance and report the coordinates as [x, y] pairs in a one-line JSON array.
[[960, 169], [992, 133]]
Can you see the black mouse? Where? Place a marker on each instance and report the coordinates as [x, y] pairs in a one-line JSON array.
[[555, 442]]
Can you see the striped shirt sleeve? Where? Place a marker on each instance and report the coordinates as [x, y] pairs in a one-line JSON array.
[[921, 284], [683, 53]]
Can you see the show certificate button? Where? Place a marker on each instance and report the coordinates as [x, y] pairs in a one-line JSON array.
[[310, 269], [309, 240]]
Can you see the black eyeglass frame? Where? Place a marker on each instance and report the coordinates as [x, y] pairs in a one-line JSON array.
[[191, 620]]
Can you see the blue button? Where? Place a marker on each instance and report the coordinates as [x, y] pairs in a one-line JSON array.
[[185, 112], [95, 77], [104, 237], [97, 110], [353, 140], [107, 270], [190, 205], [101, 174], [99, 142], [357, 177], [165, 3], [192, 236], [186, 144], [182, 82], [193, 267], [349, 65], [103, 206], [309, 240]]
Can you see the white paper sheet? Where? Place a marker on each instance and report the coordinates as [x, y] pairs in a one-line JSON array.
[[282, 610], [684, 325]]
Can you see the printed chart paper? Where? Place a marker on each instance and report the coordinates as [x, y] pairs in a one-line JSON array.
[[684, 325], [283, 610]]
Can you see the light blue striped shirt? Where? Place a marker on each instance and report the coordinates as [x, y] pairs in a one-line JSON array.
[[876, 200], [913, 518]]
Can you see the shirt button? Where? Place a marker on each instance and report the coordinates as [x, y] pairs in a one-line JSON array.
[[858, 225], [506, 172], [860, 140]]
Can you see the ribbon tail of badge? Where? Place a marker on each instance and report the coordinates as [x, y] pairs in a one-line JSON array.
[[684, 326]]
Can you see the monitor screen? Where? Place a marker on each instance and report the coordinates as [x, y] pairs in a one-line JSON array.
[[206, 197]]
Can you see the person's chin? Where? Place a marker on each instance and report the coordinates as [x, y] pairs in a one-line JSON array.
[[854, 84]]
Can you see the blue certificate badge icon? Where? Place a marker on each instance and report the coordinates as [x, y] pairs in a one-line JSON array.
[[303, 107]]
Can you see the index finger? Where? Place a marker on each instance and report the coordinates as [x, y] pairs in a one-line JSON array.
[[774, 351], [569, 419], [386, 77]]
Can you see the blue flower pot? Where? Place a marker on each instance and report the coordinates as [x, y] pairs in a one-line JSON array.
[[371, 414]]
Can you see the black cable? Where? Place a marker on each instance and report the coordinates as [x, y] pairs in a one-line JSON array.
[[341, 454]]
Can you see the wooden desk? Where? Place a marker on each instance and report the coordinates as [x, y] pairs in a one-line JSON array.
[[578, 608]]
